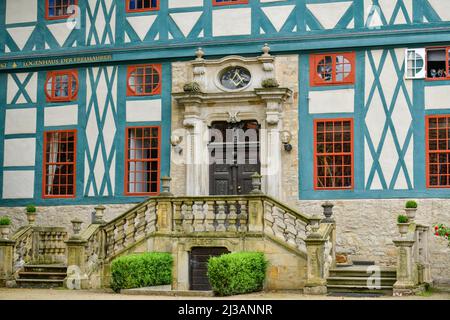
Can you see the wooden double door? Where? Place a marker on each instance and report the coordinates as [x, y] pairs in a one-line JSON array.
[[234, 156]]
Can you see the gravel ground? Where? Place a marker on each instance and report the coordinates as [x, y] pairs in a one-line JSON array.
[[64, 294]]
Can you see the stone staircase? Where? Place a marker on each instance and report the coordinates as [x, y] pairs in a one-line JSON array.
[[42, 276], [365, 278]]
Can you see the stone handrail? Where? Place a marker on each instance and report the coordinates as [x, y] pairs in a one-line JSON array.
[[23, 247]]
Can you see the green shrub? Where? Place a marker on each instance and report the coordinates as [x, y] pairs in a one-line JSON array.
[[141, 270], [236, 273], [411, 204], [31, 208], [5, 221], [402, 219]]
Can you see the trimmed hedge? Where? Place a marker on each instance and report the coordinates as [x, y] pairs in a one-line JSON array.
[[237, 273], [141, 270]]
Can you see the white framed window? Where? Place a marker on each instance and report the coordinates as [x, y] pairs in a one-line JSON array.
[[415, 63]]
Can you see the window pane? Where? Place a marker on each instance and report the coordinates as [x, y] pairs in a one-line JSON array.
[[334, 158]]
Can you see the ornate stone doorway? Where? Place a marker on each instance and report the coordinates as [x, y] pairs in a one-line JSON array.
[[234, 156], [230, 90]]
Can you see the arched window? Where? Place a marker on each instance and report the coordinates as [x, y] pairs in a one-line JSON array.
[[144, 80], [332, 69], [61, 85]]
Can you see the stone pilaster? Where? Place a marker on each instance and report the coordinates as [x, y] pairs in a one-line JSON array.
[[76, 264], [255, 215], [405, 283], [6, 262], [315, 281], [164, 216]]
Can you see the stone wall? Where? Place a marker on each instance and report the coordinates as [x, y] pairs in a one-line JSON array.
[[365, 229]]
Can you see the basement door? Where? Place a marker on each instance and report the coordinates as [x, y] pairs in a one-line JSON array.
[[234, 156], [198, 266]]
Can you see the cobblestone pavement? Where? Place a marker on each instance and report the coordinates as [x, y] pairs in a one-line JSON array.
[[64, 294]]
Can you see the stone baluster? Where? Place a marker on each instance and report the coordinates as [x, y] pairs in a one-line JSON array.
[[177, 216], [150, 215], [210, 216], [243, 216], [110, 240], [131, 228], [120, 239], [199, 216], [232, 217], [141, 223], [220, 216], [279, 227], [291, 232], [188, 216]]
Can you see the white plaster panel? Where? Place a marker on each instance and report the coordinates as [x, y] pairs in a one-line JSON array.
[[332, 101], [442, 8], [18, 184], [328, 14], [20, 121], [61, 31], [143, 110], [186, 20], [437, 97], [231, 22], [141, 25], [61, 115], [278, 15], [21, 35], [185, 4], [15, 12], [19, 152], [12, 88]]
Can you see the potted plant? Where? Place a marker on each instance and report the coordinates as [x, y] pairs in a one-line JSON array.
[[31, 214], [403, 224], [410, 209], [5, 224]]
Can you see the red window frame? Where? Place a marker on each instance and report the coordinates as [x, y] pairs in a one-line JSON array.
[[316, 80], [128, 160], [155, 91], [333, 154], [52, 75], [127, 7], [447, 63], [446, 141], [47, 163], [65, 16], [229, 2]]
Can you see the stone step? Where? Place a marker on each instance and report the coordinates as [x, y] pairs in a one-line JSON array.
[[39, 283], [45, 268], [361, 271], [361, 281], [42, 275], [342, 288]]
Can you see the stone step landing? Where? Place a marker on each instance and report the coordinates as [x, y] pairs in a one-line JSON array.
[[368, 279], [42, 276]]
